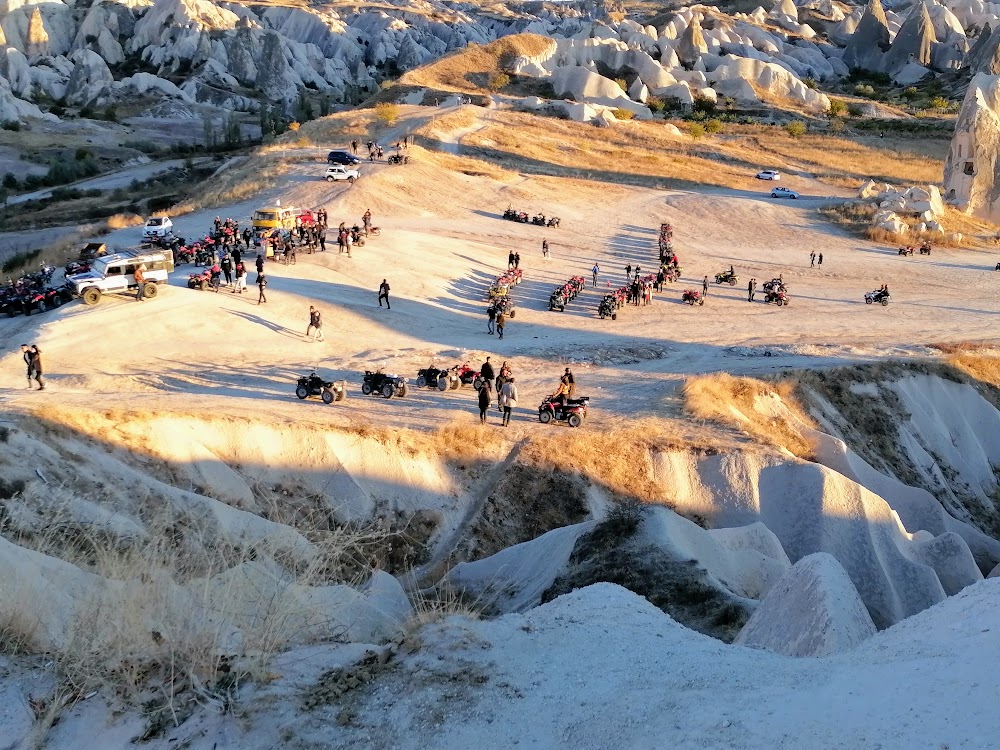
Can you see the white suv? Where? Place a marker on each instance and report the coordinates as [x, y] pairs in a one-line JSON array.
[[158, 226], [337, 172], [115, 273]]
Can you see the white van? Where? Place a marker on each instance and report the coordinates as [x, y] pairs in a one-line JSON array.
[[111, 274]]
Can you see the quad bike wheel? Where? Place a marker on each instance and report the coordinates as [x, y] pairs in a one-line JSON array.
[[614, 316], [149, 291], [56, 301], [443, 384], [478, 382], [868, 300], [388, 390], [341, 395], [421, 381], [885, 303], [42, 307], [732, 282], [366, 389], [602, 316], [403, 390], [203, 286], [302, 392], [455, 383], [545, 416], [92, 296], [574, 420], [327, 396], [512, 314], [701, 302]]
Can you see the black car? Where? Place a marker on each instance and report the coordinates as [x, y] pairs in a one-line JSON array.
[[342, 157]]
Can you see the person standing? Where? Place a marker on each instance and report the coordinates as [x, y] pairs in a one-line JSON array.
[[545, 248], [485, 399], [812, 259], [262, 285], [383, 294], [820, 260], [140, 282], [510, 259], [227, 269], [628, 272], [595, 270], [260, 263], [241, 278], [704, 287], [751, 289], [35, 367], [486, 371], [28, 362], [315, 324], [491, 317], [517, 260], [348, 242], [321, 236], [509, 400], [501, 322]]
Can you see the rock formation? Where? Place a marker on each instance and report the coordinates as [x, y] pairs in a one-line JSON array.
[[691, 45], [813, 610], [970, 170], [913, 42], [870, 41]]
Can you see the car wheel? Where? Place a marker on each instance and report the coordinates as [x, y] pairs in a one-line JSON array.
[[350, 180], [302, 392], [42, 307], [574, 420], [545, 416], [443, 384], [388, 390], [329, 179], [149, 291], [456, 383], [91, 296], [794, 197], [366, 389], [56, 301], [327, 396]]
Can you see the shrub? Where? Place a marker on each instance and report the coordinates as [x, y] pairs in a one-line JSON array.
[[13, 125], [796, 128], [714, 126], [656, 104], [10, 181], [863, 89], [696, 130], [81, 154], [111, 114], [809, 82], [147, 147], [838, 108], [855, 110], [623, 114], [622, 84], [704, 104], [837, 125], [939, 102], [87, 113], [910, 93], [57, 110], [498, 81], [293, 126], [386, 112], [20, 260]]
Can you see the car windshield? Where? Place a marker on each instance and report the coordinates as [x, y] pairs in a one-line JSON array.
[[154, 222], [100, 266], [264, 216]]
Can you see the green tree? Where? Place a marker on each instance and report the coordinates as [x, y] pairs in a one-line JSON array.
[[796, 128], [498, 81], [386, 112]]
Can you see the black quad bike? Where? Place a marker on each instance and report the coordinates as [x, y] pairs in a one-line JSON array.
[[383, 384], [608, 307], [573, 413], [314, 385], [432, 377], [398, 159]]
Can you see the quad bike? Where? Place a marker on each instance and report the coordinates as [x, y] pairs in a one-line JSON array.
[[314, 385], [182, 255], [200, 280], [727, 277], [503, 305], [382, 384], [672, 274], [878, 296], [778, 295], [905, 251], [432, 377], [519, 216], [692, 297], [468, 376], [553, 222], [925, 249], [398, 159], [557, 300], [573, 413], [608, 307]]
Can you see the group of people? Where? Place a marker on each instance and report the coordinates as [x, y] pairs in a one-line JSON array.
[[375, 149], [502, 383]]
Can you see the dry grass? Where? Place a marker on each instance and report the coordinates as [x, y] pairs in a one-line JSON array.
[[122, 221], [238, 183], [982, 364], [470, 68], [768, 412]]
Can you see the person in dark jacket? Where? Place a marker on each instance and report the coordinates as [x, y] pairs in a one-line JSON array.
[[261, 284], [751, 289], [383, 294], [568, 381], [491, 317], [28, 362], [36, 367], [487, 371], [485, 399], [260, 263]]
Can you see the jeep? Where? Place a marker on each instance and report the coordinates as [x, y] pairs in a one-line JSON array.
[[337, 172], [115, 274]]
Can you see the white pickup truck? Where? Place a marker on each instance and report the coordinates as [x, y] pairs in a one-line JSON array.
[[337, 172]]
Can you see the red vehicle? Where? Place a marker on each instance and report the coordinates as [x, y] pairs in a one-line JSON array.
[[692, 297], [303, 217], [200, 280], [573, 412], [468, 376]]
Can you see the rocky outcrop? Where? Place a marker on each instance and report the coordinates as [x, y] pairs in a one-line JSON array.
[[37, 40], [868, 44], [91, 80], [813, 610], [913, 42], [691, 45], [970, 170], [739, 77]]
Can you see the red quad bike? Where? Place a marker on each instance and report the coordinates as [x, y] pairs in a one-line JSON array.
[[692, 297], [573, 413], [468, 376], [201, 280], [905, 251]]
